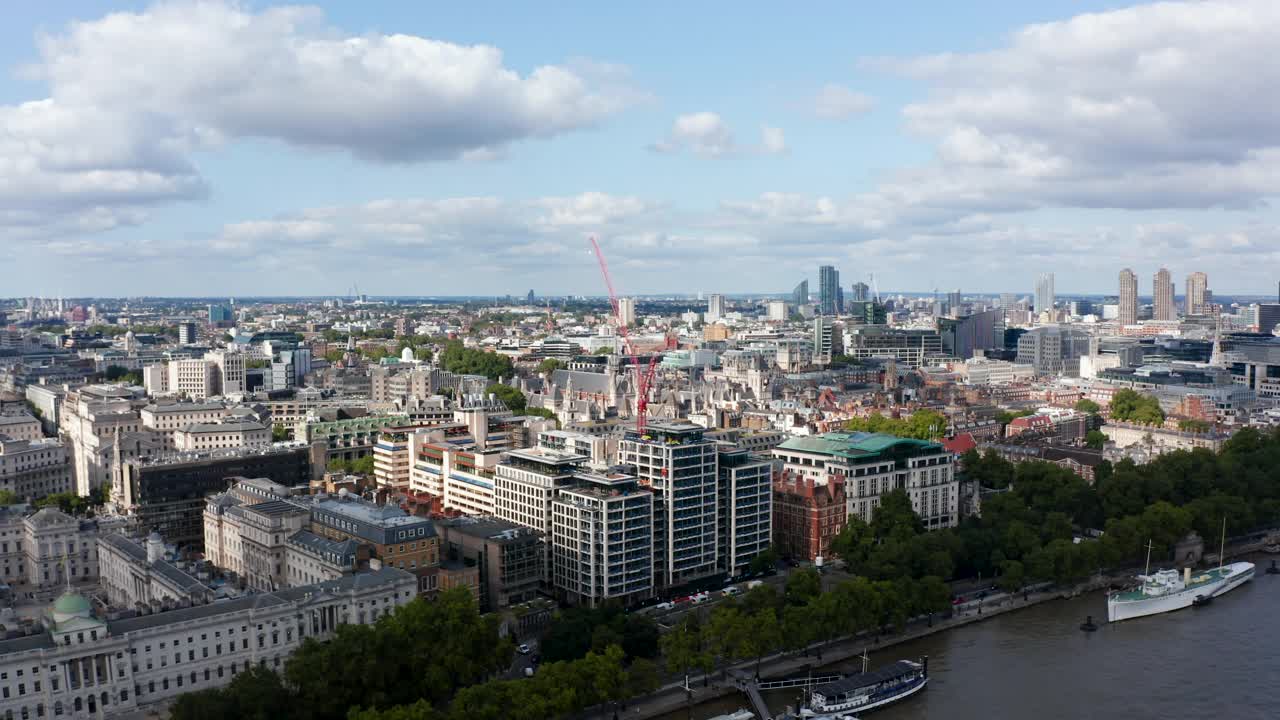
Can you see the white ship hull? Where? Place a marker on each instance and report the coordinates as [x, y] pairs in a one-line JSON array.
[[1241, 573], [1117, 610]]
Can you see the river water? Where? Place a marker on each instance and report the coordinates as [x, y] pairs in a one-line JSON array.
[[1221, 661]]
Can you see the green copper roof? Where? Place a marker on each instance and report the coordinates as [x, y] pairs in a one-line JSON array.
[[71, 604], [851, 445]]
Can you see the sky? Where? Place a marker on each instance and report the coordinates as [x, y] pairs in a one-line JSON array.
[[208, 148]]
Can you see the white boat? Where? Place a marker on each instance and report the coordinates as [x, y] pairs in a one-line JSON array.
[[1165, 591], [739, 714]]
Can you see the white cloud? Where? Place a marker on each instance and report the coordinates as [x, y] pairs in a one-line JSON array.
[[837, 102], [132, 94], [1153, 106], [773, 141], [703, 133]]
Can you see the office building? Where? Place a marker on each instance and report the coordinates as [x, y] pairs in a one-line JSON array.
[[219, 315], [828, 339], [187, 333], [800, 295], [745, 499], [231, 432], [953, 303], [871, 465], [1162, 291], [167, 492], [1045, 296], [828, 285], [968, 336], [807, 515], [604, 545], [1053, 350], [1268, 317], [861, 292], [1128, 310], [776, 311], [715, 307], [627, 311], [678, 465], [1008, 301], [164, 421], [909, 347], [1197, 293], [510, 558]]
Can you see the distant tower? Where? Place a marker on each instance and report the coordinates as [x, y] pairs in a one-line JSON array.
[[828, 289], [1197, 293], [1128, 313], [1162, 292], [1045, 296]]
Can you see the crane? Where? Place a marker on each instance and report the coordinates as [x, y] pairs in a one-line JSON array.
[[644, 379]]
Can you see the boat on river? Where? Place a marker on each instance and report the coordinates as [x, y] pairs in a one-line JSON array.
[[1165, 590], [868, 690]]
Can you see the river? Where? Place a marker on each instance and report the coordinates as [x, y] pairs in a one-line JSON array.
[[1221, 661]]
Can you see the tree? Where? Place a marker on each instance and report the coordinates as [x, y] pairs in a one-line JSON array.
[[362, 465], [7, 497], [764, 561], [279, 433], [67, 502], [549, 365], [257, 693], [1131, 406], [1194, 426], [803, 585], [1095, 439], [1085, 405], [642, 677], [510, 396], [457, 358]]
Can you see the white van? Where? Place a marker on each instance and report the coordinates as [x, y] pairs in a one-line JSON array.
[[699, 598], [732, 590]]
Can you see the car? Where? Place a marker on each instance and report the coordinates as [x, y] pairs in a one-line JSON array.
[[699, 598], [524, 649], [664, 606], [731, 591]]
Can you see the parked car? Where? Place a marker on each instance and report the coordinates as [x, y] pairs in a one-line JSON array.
[[699, 598], [524, 649], [665, 606], [732, 590]]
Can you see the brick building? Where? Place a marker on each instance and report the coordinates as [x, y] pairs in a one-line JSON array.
[[806, 515]]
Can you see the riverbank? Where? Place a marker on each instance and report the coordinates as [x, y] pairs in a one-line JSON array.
[[721, 683]]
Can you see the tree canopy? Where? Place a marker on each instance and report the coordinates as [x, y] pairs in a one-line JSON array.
[[457, 358], [1132, 406], [921, 425], [510, 396]]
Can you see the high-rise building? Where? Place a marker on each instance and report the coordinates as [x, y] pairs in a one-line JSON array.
[[828, 288], [1008, 301], [187, 333], [715, 307], [1197, 293], [1128, 311], [953, 303], [627, 311], [1268, 316], [828, 341], [777, 310], [1162, 291], [679, 465], [800, 295], [530, 297], [1044, 293], [861, 292], [219, 314]]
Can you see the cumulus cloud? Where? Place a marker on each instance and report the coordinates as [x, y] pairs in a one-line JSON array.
[[707, 135], [837, 102], [1153, 106], [133, 94], [703, 133]]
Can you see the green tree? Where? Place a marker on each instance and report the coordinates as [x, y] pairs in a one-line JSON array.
[[642, 677], [280, 433], [255, 694], [1095, 439], [510, 396], [1194, 426], [1132, 406], [7, 497], [803, 585], [764, 561], [1085, 405], [549, 365], [362, 465]]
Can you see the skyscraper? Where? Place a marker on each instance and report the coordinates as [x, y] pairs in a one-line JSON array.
[[828, 284], [800, 296], [1044, 293], [627, 311], [1007, 301], [861, 292], [1162, 291], [715, 307], [1128, 313], [1197, 293], [953, 303]]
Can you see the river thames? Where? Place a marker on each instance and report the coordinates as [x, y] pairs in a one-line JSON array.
[[1221, 661]]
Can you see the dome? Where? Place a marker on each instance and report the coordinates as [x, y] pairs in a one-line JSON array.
[[71, 605]]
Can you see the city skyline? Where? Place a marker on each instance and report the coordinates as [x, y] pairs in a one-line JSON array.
[[904, 157]]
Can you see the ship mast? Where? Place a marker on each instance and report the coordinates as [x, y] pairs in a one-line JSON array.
[[1147, 570], [1222, 549]]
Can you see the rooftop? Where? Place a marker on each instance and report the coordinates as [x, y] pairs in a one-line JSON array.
[[853, 445]]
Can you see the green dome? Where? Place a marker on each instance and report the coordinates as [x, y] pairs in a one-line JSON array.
[[71, 605]]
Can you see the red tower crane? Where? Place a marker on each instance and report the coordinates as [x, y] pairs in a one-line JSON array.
[[644, 378]]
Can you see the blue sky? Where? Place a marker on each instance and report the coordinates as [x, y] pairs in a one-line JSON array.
[[975, 146]]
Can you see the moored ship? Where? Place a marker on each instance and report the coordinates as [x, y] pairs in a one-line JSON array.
[[868, 690], [1165, 590]]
